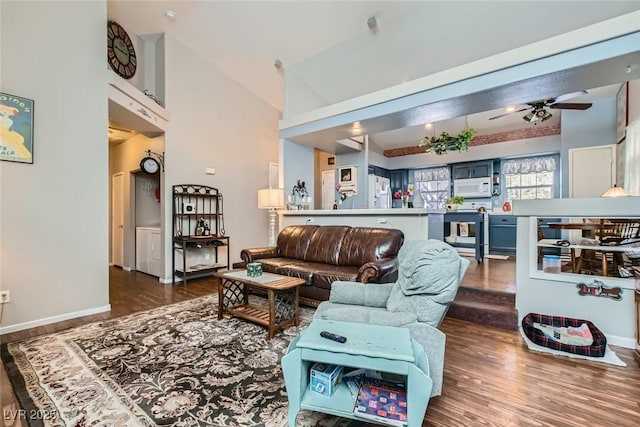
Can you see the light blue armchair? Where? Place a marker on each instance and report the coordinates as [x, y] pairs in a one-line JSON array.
[[429, 274]]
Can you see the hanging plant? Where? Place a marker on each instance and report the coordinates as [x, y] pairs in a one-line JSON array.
[[444, 143]]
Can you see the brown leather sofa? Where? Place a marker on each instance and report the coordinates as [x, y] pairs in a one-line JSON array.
[[323, 254]]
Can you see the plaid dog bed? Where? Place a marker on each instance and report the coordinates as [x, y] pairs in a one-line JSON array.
[[596, 349]]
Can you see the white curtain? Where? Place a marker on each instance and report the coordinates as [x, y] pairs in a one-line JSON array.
[[432, 174], [632, 158], [528, 165]]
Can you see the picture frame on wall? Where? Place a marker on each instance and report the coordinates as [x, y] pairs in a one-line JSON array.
[[16, 128], [622, 114], [348, 178]]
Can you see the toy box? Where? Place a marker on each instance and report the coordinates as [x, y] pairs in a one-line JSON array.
[[325, 378]]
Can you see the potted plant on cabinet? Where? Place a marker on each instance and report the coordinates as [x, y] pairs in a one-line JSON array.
[[453, 202]]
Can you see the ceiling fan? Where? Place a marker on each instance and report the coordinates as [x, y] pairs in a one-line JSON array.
[[539, 113]]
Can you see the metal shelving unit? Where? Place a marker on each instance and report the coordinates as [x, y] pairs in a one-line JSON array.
[[198, 231]]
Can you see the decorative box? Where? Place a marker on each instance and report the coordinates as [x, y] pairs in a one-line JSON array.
[[325, 378], [254, 269]]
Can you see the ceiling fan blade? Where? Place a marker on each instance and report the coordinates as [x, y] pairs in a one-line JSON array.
[[510, 112], [571, 106], [570, 95]]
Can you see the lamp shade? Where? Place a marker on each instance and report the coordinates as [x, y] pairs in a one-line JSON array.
[[270, 198], [615, 191]]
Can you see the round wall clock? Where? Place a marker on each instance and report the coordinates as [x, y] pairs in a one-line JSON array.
[[149, 165], [120, 52]]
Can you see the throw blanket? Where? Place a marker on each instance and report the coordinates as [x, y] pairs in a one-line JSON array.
[[567, 335], [428, 279], [427, 266]]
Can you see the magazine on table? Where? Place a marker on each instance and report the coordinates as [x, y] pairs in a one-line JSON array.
[[382, 400]]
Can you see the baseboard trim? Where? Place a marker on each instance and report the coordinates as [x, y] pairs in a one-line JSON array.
[[621, 341], [53, 319]]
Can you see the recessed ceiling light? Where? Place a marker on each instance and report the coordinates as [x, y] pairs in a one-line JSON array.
[[510, 109], [428, 126]]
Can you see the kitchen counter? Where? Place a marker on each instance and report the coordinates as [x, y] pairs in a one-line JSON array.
[[415, 223], [347, 212]]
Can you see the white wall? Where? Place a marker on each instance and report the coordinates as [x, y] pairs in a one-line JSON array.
[[216, 123], [588, 128], [634, 100], [54, 222]]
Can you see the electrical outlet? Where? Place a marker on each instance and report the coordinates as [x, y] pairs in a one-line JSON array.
[[207, 256], [382, 220], [5, 296]]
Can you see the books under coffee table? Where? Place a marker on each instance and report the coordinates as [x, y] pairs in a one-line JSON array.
[[385, 349], [282, 293]]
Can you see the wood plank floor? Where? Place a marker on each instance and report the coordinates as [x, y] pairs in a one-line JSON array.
[[491, 274], [491, 378]]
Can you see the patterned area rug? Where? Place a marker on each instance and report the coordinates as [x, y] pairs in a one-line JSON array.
[[177, 366]]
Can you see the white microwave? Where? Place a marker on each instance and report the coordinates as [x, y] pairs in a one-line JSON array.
[[472, 187]]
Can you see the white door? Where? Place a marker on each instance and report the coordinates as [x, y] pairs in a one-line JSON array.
[[592, 170], [328, 189], [117, 219]]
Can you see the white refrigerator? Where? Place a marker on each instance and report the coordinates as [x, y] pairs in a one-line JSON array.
[[379, 192]]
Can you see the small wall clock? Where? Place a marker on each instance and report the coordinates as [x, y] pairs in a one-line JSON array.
[[149, 165], [120, 52]]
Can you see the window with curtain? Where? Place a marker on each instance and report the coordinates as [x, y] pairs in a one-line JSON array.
[[530, 178], [434, 185]]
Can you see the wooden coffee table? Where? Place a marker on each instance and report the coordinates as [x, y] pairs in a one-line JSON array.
[[282, 293]]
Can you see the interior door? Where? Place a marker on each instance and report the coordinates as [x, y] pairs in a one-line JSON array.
[[592, 170], [117, 219], [328, 189]]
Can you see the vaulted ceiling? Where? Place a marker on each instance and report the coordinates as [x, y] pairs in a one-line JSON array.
[[321, 42]]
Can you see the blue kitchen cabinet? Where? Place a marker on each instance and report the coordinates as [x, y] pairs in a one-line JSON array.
[[399, 179], [503, 230], [502, 234], [481, 169]]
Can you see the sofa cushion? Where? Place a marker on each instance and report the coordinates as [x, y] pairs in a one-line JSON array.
[[293, 241], [325, 245], [363, 244], [270, 265], [324, 275], [370, 315], [297, 269]]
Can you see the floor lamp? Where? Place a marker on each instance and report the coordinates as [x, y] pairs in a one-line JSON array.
[[272, 199]]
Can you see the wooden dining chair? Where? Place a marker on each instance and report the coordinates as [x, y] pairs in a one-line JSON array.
[[613, 232]]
